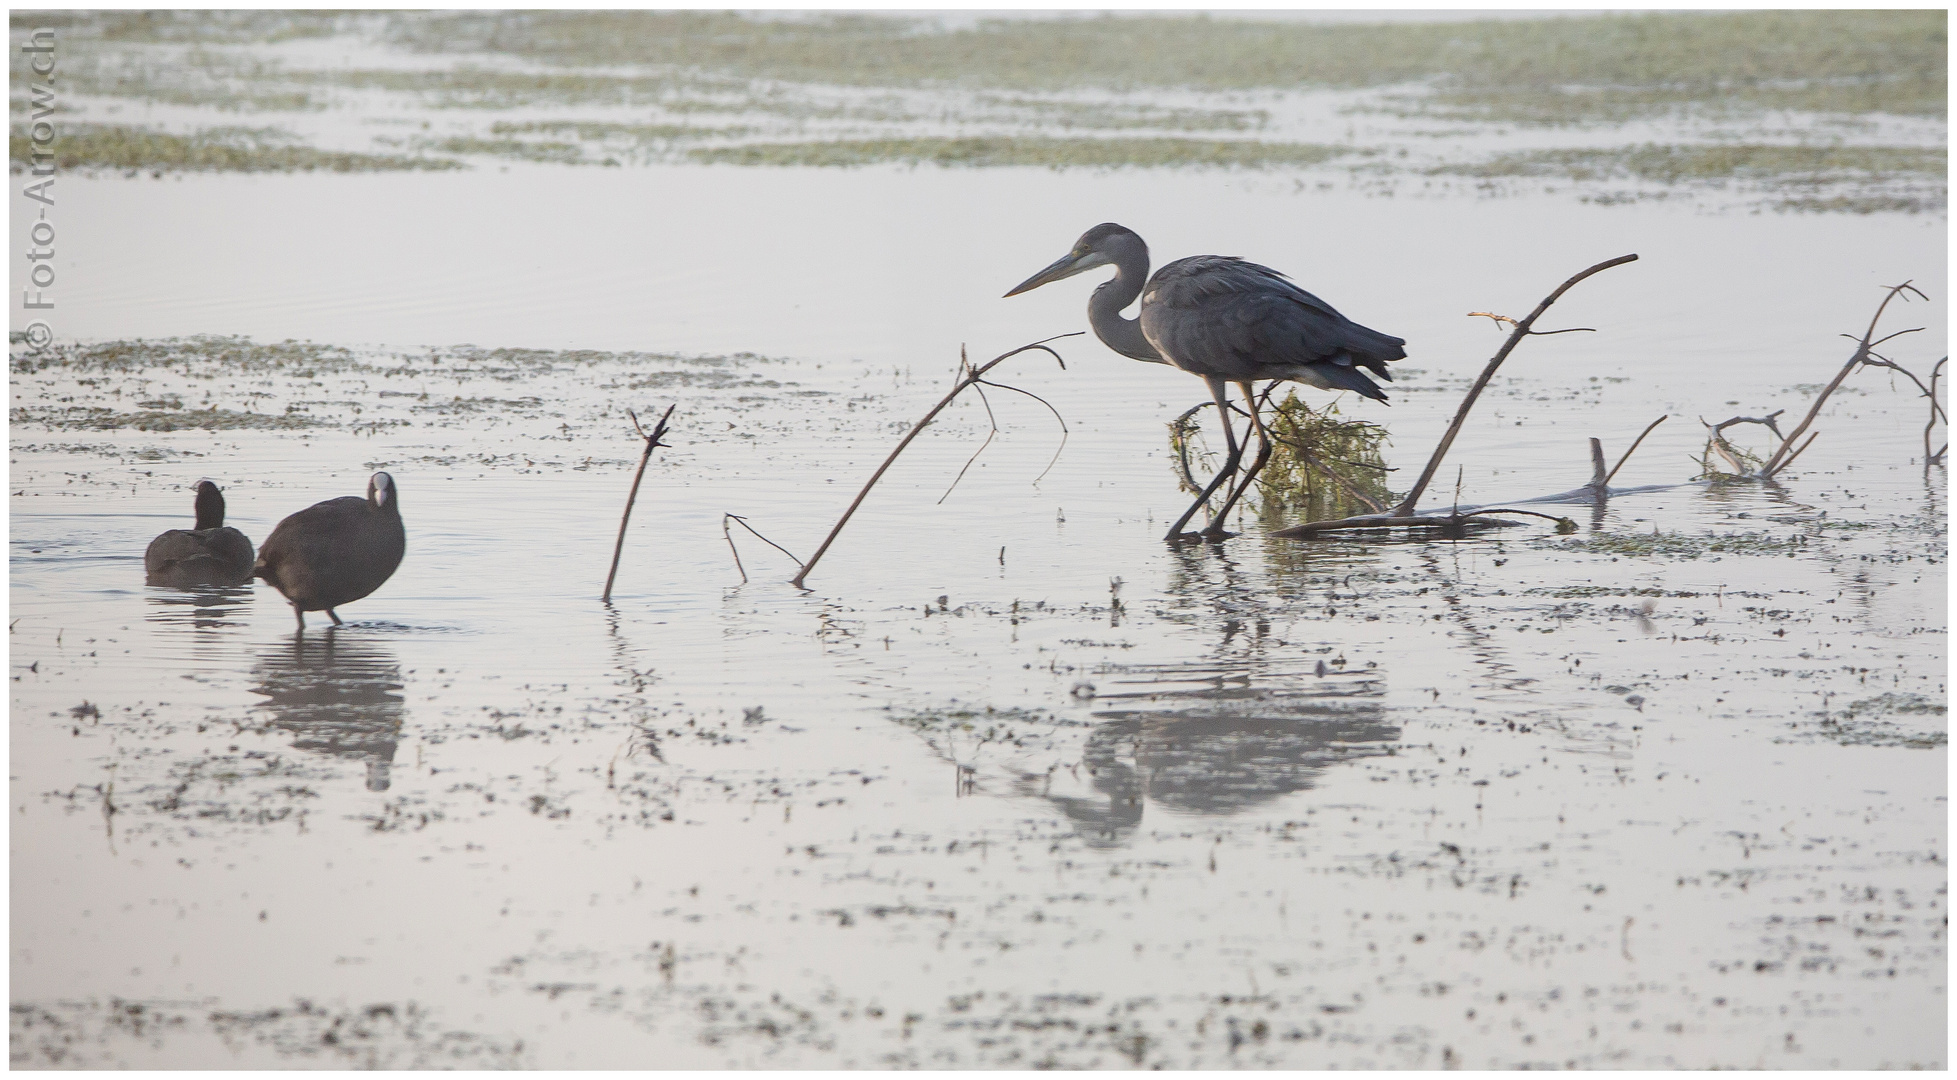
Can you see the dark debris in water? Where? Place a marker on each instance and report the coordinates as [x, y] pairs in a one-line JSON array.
[[388, 1035]]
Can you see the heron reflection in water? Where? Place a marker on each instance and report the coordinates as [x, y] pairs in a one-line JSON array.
[[1226, 321], [1219, 750], [339, 696]]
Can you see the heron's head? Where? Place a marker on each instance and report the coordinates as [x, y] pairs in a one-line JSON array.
[[1099, 246], [210, 505], [381, 493]]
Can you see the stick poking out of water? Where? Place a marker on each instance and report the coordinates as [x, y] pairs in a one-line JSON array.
[[968, 376], [652, 442]]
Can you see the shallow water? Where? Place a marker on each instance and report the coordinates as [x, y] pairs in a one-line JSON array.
[[1013, 783]]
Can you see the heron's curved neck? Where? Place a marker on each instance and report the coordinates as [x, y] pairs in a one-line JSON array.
[[1123, 335]]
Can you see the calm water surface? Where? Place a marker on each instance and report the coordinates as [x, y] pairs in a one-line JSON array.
[[1013, 783]]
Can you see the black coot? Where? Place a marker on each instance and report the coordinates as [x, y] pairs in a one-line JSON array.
[[335, 552], [209, 554]]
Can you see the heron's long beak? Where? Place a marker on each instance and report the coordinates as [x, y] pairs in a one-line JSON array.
[[1064, 267]]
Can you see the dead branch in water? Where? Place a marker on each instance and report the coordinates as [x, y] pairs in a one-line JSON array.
[[1863, 350], [1635, 443], [1456, 521], [729, 537], [1935, 412], [1522, 329], [652, 442], [968, 376]]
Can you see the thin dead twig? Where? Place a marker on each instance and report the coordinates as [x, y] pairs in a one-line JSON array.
[[1635, 443], [1780, 458], [968, 376], [1929, 458], [1522, 330], [742, 522], [1768, 420], [652, 442]]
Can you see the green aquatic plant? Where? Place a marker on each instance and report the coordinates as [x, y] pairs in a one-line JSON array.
[[1110, 116], [562, 153], [1547, 70], [103, 419], [600, 131], [1681, 546], [1673, 164], [474, 87], [1042, 150], [1322, 466], [219, 149]]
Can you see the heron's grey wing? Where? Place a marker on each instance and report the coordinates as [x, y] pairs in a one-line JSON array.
[[1240, 320]]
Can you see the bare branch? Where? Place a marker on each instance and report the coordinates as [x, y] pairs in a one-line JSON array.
[[729, 537], [1460, 416], [1780, 457], [968, 376], [652, 442], [757, 535], [976, 384], [1797, 453], [1768, 420], [1634, 449], [1056, 416], [1935, 373]]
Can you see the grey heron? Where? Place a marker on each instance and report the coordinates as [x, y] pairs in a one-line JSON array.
[[337, 551], [1225, 320]]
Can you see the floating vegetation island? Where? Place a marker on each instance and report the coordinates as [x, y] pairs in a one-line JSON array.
[[1819, 111]]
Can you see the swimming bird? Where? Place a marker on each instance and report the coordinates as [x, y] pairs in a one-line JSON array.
[[337, 551], [210, 553], [1225, 320]]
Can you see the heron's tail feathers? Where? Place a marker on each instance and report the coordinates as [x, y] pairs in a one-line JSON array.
[[1341, 375]]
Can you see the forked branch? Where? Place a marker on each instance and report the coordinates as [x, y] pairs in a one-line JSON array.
[[968, 376], [652, 443], [1522, 330], [1783, 456]]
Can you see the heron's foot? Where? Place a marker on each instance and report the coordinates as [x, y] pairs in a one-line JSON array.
[[1216, 532], [1207, 535]]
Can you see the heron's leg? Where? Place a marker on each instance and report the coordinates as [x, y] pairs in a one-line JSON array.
[[1256, 466], [335, 616], [1235, 455], [302, 617]]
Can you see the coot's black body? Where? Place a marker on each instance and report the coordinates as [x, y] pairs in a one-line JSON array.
[[211, 553], [336, 552]]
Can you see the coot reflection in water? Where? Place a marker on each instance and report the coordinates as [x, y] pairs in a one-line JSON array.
[[205, 607], [1220, 749], [340, 696]]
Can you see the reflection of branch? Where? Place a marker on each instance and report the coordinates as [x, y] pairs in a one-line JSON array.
[[968, 376], [652, 441], [1405, 509]]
